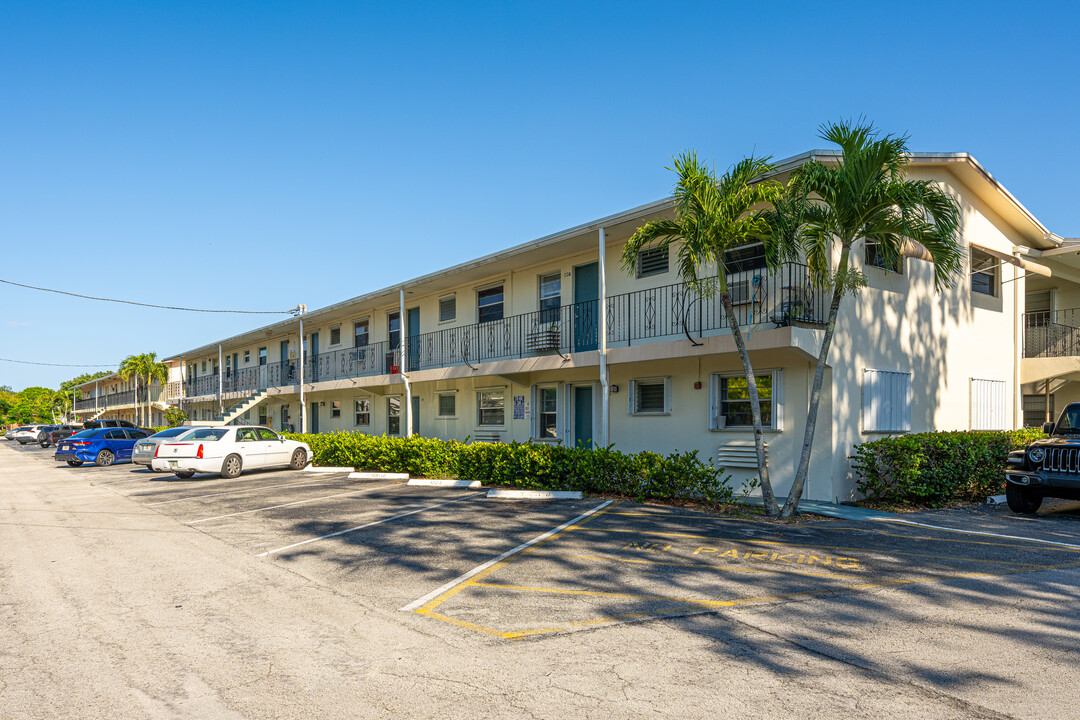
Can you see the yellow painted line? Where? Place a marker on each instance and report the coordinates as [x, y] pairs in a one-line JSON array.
[[820, 547], [462, 623], [709, 566], [703, 516], [603, 593]]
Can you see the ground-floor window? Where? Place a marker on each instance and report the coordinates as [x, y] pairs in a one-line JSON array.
[[547, 413], [491, 407], [393, 416], [361, 411], [335, 409], [264, 416], [447, 405], [730, 401], [1035, 410], [650, 396], [886, 400]]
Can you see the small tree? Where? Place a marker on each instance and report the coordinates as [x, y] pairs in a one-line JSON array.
[[712, 216], [174, 416], [865, 195]]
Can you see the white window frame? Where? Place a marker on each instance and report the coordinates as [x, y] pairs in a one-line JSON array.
[[451, 296], [479, 392], [632, 399], [400, 415], [438, 410], [367, 332], [330, 336], [491, 286], [537, 411], [871, 413], [996, 391], [368, 400], [716, 424], [335, 408]]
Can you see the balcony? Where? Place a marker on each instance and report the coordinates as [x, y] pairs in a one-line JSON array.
[[785, 297], [1052, 333]]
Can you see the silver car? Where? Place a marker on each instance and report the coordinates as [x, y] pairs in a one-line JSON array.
[[27, 434], [144, 450]]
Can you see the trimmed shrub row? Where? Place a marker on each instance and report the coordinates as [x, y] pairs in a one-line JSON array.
[[936, 468], [535, 466]]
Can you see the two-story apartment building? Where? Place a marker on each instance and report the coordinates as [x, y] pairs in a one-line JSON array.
[[554, 341], [113, 397]]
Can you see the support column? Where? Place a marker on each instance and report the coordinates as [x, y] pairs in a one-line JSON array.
[[303, 406], [220, 383], [403, 334], [605, 386]]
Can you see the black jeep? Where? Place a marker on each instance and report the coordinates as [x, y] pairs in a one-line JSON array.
[[1047, 468]]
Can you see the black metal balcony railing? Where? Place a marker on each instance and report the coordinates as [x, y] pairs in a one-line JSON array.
[[759, 297], [1052, 333], [124, 397]]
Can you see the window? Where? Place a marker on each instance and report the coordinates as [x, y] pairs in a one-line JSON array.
[[988, 404], [335, 335], [447, 405], [876, 257], [262, 357], [361, 411], [335, 409], [393, 322], [649, 396], [393, 416], [447, 308], [285, 417], [550, 297], [360, 333], [886, 398], [204, 367], [745, 258], [247, 356], [731, 401], [265, 417], [490, 304], [490, 407], [547, 402], [652, 261], [984, 273], [1035, 410]]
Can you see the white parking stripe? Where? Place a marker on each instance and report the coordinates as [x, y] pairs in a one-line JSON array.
[[298, 502], [367, 525], [419, 603], [324, 481], [977, 532]]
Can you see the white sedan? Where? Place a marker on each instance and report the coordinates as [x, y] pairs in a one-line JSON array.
[[229, 451]]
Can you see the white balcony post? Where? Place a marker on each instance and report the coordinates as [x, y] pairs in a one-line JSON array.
[[220, 383], [303, 407], [407, 415], [605, 386]]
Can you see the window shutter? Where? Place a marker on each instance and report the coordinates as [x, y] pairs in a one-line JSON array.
[[335, 336], [447, 308], [447, 405], [652, 261], [988, 399], [886, 401]]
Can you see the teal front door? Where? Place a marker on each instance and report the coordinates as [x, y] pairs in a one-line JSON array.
[[412, 327], [586, 301], [583, 415], [314, 417], [314, 357], [415, 415]]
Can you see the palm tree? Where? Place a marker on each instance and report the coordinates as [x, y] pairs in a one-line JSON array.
[[866, 195], [129, 368], [147, 367], [713, 215]]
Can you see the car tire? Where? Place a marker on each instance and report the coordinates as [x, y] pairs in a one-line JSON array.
[[75, 463], [185, 474], [1022, 500], [299, 459], [232, 467], [104, 458]]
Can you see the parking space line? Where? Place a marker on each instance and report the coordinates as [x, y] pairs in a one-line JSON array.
[[436, 597], [289, 504], [367, 525], [822, 547], [1071, 548], [324, 481], [710, 566]]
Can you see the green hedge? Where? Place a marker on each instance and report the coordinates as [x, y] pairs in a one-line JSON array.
[[538, 466], [936, 468]]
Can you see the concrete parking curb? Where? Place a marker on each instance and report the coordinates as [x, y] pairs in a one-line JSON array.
[[471, 484], [315, 468], [535, 494], [377, 476]]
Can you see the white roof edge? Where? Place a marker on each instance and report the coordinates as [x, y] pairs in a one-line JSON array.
[[781, 166], [103, 378]]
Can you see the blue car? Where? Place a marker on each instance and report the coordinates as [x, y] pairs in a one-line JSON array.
[[101, 446]]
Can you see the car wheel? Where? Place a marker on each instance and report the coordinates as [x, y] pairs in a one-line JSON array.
[[104, 458], [299, 459], [231, 467], [1021, 500], [75, 463], [185, 474]]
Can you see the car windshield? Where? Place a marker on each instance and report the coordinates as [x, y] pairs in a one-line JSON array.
[[85, 434], [1069, 422], [207, 434], [172, 432]]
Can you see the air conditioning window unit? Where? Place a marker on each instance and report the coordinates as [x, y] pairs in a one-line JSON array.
[[741, 292]]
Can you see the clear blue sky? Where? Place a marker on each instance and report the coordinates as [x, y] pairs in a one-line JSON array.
[[260, 154]]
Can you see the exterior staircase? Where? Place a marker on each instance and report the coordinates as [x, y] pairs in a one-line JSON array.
[[234, 412]]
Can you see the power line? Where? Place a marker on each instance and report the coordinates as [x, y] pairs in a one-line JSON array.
[[29, 362], [149, 305]]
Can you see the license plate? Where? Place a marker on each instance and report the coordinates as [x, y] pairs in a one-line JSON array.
[[65, 447], [174, 463]]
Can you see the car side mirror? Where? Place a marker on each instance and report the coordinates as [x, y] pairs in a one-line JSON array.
[[1048, 428], [281, 439]]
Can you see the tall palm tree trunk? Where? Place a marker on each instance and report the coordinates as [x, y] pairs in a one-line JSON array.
[[791, 506], [767, 495]]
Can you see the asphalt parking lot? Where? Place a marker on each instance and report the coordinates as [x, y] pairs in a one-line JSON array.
[[482, 573]]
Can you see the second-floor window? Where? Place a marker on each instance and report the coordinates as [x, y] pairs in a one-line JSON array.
[[489, 303], [360, 333], [550, 297], [652, 261], [335, 336], [876, 258], [393, 322], [984, 273], [262, 356], [745, 258], [447, 308]]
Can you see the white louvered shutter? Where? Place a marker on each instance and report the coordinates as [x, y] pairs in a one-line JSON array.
[[886, 401], [988, 397]]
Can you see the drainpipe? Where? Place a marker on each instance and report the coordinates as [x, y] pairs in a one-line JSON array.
[[404, 376], [220, 383], [303, 407], [1018, 334], [605, 387]]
